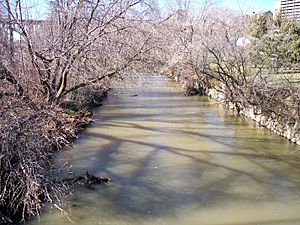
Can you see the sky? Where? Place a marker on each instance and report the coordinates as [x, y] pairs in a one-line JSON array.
[[249, 6], [245, 6]]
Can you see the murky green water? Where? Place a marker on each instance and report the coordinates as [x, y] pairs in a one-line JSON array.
[[180, 160]]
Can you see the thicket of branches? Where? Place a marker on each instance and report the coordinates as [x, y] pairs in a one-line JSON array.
[[81, 45], [216, 48], [69, 57], [26, 151]]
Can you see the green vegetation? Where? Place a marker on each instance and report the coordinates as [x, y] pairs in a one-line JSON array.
[[67, 62], [276, 42]]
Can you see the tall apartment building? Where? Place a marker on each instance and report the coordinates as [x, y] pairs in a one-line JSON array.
[[290, 9]]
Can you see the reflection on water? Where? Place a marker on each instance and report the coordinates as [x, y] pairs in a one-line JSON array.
[[180, 160]]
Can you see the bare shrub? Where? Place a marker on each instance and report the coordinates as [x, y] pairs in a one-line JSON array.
[[29, 139]]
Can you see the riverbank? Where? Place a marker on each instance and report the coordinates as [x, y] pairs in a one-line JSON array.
[[30, 137], [287, 128], [179, 160], [274, 124]]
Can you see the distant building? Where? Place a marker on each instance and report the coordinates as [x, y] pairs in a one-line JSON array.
[[290, 9], [276, 8]]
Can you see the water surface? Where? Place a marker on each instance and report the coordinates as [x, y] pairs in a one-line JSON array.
[[180, 160]]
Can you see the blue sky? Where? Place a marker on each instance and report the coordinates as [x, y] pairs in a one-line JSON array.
[[249, 6], [246, 6]]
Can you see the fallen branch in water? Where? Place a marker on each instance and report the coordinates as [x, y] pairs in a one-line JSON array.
[[64, 212], [87, 180]]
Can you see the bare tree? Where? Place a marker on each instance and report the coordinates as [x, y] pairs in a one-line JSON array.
[[82, 42], [213, 50]]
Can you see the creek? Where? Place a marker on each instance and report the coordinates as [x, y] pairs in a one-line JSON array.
[[179, 160]]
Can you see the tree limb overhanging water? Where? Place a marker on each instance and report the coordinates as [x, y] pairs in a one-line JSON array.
[[53, 69]]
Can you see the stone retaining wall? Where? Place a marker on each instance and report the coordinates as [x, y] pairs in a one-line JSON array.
[[289, 131]]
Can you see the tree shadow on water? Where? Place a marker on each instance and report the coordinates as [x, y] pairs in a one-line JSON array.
[[145, 191], [144, 186]]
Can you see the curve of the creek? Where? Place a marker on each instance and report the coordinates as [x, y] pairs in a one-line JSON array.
[[179, 160]]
